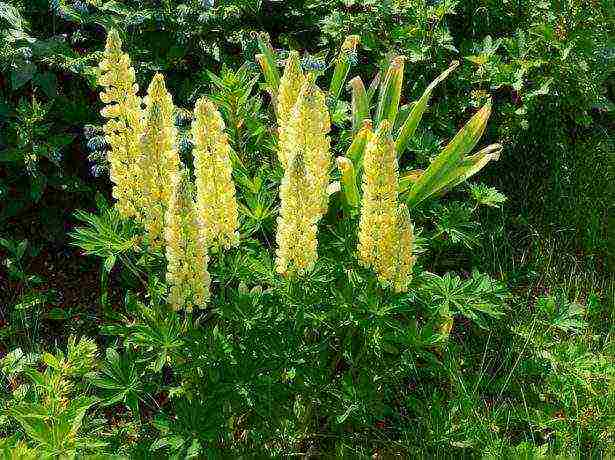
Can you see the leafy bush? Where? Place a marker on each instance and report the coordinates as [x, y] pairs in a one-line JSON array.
[[299, 272], [306, 342]]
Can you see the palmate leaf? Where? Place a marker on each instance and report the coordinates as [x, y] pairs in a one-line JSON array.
[[120, 381], [106, 235], [443, 171], [477, 298], [55, 433]]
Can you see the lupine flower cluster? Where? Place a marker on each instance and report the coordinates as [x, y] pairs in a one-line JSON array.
[[124, 125], [385, 231], [186, 248], [216, 203], [151, 184], [290, 85], [304, 151], [297, 228], [159, 160]]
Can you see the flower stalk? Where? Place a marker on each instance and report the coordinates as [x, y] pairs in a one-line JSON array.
[[216, 201]]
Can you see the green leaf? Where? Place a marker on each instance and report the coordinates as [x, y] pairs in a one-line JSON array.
[[442, 170], [10, 16], [51, 361], [110, 263], [37, 187], [57, 314], [48, 82], [268, 63], [469, 166], [408, 129], [22, 75], [390, 92]]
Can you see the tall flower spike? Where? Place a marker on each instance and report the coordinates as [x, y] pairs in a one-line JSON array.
[[378, 222], [124, 125], [216, 201], [186, 248], [296, 232], [405, 246], [290, 85], [159, 160], [308, 133]]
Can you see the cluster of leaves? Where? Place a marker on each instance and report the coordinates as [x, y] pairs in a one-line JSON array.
[[549, 65]]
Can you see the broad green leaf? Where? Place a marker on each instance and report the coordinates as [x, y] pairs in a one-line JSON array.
[[469, 166], [51, 361], [22, 75], [48, 82], [409, 178]]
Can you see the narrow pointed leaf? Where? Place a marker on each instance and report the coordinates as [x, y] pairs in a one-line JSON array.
[[342, 65], [350, 190], [268, 63], [441, 170], [416, 114], [373, 87], [390, 92], [360, 103]]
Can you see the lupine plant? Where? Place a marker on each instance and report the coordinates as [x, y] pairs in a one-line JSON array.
[[243, 320]]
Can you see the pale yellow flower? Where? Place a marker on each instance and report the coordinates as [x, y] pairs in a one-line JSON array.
[[159, 160], [308, 130], [124, 126], [378, 222], [288, 92], [405, 245], [186, 248], [297, 230], [216, 202]]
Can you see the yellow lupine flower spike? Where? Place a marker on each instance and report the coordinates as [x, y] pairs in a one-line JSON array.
[[124, 125], [378, 221], [296, 232], [290, 85], [405, 245], [308, 129], [186, 248], [216, 202], [159, 159]]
